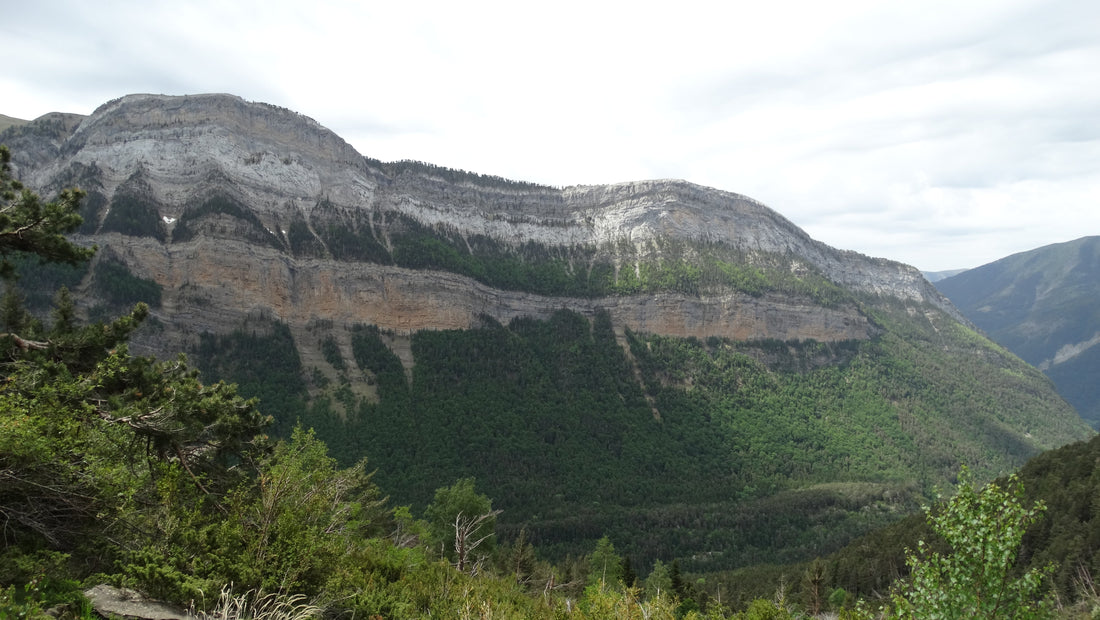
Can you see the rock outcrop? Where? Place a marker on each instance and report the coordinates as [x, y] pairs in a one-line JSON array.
[[112, 602]]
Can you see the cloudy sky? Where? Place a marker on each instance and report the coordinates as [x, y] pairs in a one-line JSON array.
[[942, 134]]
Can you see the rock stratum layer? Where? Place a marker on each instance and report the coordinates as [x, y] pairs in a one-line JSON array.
[[285, 171]]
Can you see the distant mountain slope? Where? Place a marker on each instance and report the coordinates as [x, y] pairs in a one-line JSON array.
[[1044, 305], [1066, 537], [936, 276], [679, 367], [8, 121]]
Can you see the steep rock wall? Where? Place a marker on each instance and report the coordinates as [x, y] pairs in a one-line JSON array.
[[281, 165], [206, 275]]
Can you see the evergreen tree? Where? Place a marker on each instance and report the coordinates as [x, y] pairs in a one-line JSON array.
[[676, 581], [629, 577], [27, 225], [64, 313], [814, 582], [14, 318], [90, 435], [521, 558]]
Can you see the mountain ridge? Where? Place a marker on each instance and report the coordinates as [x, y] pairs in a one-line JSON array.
[[1041, 305], [322, 167], [656, 360]]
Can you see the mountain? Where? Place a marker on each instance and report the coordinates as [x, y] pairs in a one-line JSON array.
[[1042, 305], [936, 276], [678, 367], [8, 121]]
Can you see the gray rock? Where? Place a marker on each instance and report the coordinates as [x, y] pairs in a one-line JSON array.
[[288, 173], [110, 601]]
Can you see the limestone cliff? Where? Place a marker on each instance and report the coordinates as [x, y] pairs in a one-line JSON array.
[[291, 179]]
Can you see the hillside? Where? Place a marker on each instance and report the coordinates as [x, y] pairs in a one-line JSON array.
[[1041, 304], [1066, 538], [678, 367], [8, 121], [936, 276]]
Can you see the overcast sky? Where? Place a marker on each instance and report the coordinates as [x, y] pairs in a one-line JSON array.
[[941, 134]]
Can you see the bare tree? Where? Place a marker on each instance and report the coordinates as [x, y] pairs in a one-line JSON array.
[[465, 544]]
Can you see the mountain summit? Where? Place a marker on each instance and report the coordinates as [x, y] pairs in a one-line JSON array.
[[676, 366]]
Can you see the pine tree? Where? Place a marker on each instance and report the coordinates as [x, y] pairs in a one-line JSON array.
[[90, 434], [27, 225], [629, 577]]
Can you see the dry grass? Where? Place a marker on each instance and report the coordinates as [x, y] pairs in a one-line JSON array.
[[255, 605]]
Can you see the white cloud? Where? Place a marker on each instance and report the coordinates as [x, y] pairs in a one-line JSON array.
[[939, 133]]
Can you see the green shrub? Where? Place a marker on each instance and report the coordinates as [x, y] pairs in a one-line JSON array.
[[984, 529]]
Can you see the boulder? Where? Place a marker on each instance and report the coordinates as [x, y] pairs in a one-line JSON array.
[[109, 601]]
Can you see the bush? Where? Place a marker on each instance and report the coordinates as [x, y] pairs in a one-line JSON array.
[[984, 529]]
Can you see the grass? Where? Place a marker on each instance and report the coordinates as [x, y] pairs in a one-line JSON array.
[[255, 605]]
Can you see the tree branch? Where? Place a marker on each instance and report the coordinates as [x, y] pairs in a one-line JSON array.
[[18, 232], [27, 345]]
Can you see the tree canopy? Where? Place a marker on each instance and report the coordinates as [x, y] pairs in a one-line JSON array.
[[31, 226]]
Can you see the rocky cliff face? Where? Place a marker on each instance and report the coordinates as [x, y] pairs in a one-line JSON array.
[[292, 179], [210, 274]]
